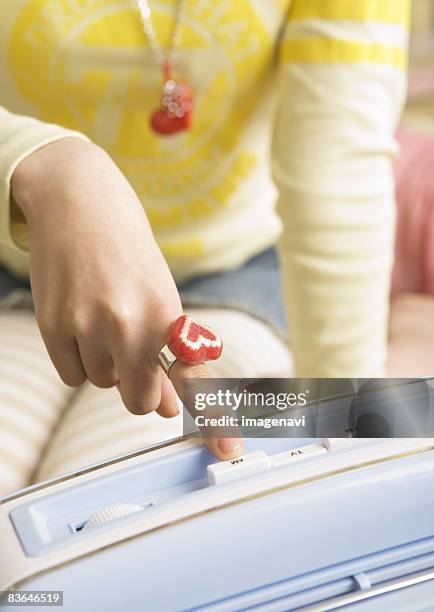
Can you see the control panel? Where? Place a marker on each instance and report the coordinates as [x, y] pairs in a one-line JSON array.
[[178, 484]]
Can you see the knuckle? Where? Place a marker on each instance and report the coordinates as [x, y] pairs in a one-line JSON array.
[[118, 314], [143, 404], [169, 312], [103, 380], [78, 322], [71, 379], [156, 295], [168, 304]]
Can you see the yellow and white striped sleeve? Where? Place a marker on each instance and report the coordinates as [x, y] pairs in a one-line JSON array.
[[341, 93], [19, 137]]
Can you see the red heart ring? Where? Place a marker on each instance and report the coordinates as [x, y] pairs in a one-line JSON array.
[[193, 342]]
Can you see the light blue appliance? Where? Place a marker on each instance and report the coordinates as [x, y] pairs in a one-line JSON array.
[[295, 524], [301, 524]]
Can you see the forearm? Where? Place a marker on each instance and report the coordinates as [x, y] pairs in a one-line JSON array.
[[343, 86], [336, 276]]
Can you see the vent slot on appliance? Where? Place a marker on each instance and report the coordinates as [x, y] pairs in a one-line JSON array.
[[363, 574]]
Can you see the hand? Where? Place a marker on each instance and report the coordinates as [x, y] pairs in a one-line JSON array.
[[104, 296]]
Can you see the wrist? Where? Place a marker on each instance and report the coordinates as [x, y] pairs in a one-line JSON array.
[[47, 170]]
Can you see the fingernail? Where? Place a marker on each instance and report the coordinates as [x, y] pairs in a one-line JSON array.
[[229, 445]]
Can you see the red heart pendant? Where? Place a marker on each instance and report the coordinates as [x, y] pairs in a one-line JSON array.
[[165, 125], [175, 112], [193, 342]]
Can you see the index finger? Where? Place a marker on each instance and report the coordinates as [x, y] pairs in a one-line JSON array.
[[223, 448]]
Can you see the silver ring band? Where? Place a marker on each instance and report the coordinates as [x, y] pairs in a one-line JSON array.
[[166, 359]]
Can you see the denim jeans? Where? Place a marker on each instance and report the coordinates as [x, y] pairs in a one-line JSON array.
[[254, 288]]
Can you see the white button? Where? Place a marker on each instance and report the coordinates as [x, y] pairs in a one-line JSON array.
[[296, 454], [336, 444], [377, 447], [246, 465]]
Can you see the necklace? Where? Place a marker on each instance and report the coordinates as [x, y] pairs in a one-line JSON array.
[[176, 100]]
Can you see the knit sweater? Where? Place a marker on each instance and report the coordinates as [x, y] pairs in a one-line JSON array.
[[296, 105]]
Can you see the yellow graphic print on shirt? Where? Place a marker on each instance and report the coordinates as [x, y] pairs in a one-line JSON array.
[[85, 64]]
